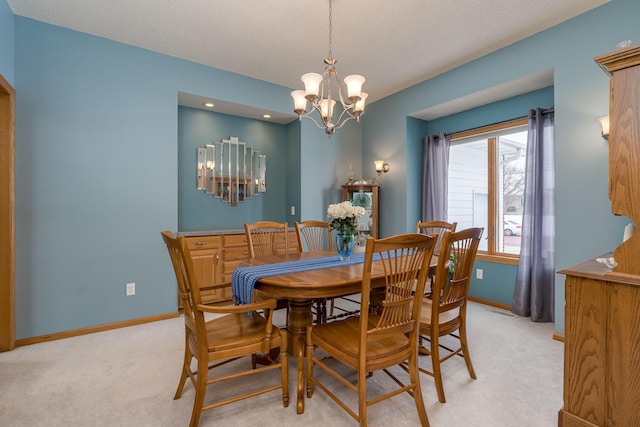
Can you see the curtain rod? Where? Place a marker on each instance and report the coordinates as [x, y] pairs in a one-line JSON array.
[[488, 128]]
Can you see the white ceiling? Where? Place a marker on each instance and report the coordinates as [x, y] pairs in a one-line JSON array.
[[394, 44]]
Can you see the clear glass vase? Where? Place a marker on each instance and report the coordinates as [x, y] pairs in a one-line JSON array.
[[344, 245]]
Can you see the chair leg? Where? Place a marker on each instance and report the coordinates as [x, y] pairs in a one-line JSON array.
[[465, 349], [201, 388], [186, 364], [414, 377], [284, 369], [437, 372], [321, 310], [309, 354], [362, 397]]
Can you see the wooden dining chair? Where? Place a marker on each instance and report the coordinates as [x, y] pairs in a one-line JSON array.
[[445, 311], [313, 236], [238, 332], [438, 228], [268, 238], [435, 227], [382, 336]]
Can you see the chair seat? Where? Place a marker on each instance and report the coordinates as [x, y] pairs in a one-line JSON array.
[[235, 330], [349, 333], [449, 320]]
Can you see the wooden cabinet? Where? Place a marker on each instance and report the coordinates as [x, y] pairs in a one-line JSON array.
[[602, 343], [216, 256], [624, 148], [602, 315], [364, 194]]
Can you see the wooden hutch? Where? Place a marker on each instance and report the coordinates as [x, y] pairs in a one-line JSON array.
[[602, 312]]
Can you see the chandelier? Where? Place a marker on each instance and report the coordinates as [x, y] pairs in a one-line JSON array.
[[319, 91]]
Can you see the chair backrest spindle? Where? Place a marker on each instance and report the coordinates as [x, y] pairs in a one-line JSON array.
[[313, 236]]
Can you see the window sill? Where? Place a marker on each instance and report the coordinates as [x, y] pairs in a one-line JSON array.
[[499, 259]]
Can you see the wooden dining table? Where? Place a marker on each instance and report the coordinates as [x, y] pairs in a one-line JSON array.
[[303, 287]]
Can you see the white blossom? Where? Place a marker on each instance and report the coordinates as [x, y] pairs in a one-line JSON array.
[[344, 216]]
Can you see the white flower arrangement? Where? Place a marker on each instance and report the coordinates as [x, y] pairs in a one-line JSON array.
[[344, 217]]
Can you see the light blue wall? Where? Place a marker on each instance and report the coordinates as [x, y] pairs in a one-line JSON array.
[[97, 173], [584, 223], [325, 166], [496, 112], [294, 171], [6, 42], [200, 211], [416, 131]]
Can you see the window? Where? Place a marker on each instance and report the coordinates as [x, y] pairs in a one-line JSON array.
[[486, 184]]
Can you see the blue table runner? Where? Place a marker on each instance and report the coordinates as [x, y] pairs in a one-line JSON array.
[[244, 279]]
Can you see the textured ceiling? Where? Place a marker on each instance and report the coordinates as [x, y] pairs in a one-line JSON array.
[[394, 44]]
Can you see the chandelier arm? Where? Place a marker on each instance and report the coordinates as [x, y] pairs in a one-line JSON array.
[[344, 118], [307, 115]]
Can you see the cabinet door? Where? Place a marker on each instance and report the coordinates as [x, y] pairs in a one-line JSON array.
[[205, 257], [205, 264]]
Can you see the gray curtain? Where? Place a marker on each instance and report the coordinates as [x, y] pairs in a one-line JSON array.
[[435, 165], [534, 293]]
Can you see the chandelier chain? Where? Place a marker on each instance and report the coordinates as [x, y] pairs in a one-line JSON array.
[[330, 30]]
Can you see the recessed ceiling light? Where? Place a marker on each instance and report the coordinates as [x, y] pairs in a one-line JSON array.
[[266, 116], [208, 104]]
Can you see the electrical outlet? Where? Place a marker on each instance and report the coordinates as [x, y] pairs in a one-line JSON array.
[[479, 273], [293, 210], [130, 289]]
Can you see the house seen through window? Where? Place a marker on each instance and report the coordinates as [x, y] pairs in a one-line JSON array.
[[486, 184]]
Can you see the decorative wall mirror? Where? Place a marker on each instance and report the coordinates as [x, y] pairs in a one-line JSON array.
[[231, 171]]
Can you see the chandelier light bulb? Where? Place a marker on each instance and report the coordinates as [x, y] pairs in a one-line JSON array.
[[312, 85], [299, 101], [326, 109], [359, 107], [354, 86]]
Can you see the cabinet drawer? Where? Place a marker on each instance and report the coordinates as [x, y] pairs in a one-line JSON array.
[[293, 242], [239, 253], [203, 242], [235, 240]]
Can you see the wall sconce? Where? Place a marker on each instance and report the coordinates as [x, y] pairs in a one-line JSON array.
[[381, 166], [604, 122]]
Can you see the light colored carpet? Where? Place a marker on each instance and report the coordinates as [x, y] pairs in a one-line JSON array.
[[127, 377]]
